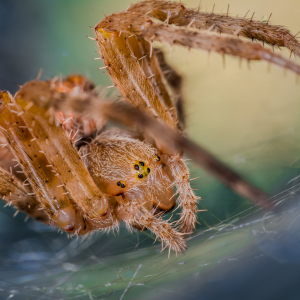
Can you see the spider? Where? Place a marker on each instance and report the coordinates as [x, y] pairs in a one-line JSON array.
[[75, 173]]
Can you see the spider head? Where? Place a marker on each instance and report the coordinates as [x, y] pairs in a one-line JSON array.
[[119, 163]]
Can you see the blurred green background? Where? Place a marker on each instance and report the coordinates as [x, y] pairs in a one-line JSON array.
[[248, 117]]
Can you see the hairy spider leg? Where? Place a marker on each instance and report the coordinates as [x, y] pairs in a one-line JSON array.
[[65, 161], [140, 25], [141, 50], [14, 193], [174, 80], [128, 76], [136, 215], [179, 15], [46, 186], [21, 197]]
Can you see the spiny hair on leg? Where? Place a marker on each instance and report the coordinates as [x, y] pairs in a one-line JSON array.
[[187, 198], [249, 28], [163, 231], [141, 26]]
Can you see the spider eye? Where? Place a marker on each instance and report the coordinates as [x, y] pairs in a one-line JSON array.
[[140, 176], [119, 183], [136, 167], [142, 163], [148, 170], [157, 157], [122, 185]]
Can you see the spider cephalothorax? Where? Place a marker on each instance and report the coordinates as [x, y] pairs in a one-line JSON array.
[[81, 176]]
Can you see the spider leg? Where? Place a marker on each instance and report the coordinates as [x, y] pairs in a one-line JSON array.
[[151, 66], [139, 25], [133, 214], [64, 159], [14, 193], [179, 15], [187, 198], [128, 75], [8, 161], [21, 197], [175, 82], [34, 162], [29, 141]]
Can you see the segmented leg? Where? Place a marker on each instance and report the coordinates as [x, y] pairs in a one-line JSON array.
[[175, 82], [14, 193], [64, 160], [30, 138], [133, 214], [128, 75], [21, 197], [187, 198], [151, 66], [8, 161], [46, 186], [177, 14], [138, 24]]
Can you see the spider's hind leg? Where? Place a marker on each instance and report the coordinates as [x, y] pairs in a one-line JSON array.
[[14, 193]]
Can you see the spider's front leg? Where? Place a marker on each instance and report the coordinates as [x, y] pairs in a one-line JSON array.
[[134, 214], [51, 163], [14, 193], [34, 163]]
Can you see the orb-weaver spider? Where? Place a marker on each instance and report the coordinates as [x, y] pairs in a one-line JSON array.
[[113, 175]]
